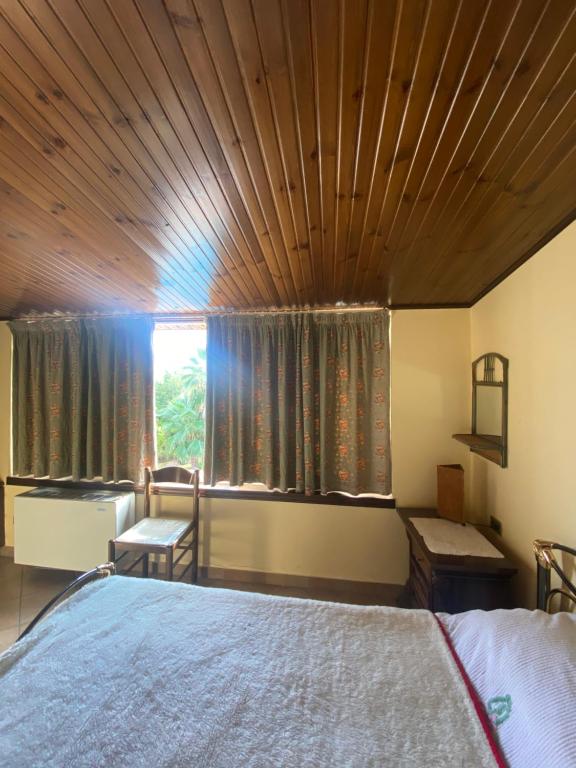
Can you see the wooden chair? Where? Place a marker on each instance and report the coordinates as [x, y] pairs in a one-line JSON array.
[[162, 535]]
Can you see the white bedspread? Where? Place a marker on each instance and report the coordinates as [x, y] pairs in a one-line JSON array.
[[133, 673]]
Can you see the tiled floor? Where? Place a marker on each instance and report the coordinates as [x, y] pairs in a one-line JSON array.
[[356, 595], [23, 592]]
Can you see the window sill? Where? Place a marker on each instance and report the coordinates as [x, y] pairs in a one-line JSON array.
[[85, 485], [335, 498]]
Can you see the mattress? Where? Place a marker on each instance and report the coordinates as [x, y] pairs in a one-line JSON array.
[[132, 672]]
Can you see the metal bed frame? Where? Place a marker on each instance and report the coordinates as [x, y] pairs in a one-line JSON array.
[[100, 572], [543, 551], [547, 562]]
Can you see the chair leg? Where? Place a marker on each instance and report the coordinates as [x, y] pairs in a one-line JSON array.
[[170, 564], [145, 565], [111, 551], [194, 568]]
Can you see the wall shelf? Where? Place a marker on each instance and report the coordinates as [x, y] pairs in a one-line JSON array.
[[491, 447], [488, 436]]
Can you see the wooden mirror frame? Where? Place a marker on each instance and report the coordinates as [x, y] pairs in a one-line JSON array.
[[489, 446]]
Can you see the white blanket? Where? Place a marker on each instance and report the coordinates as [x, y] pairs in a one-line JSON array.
[[133, 673]]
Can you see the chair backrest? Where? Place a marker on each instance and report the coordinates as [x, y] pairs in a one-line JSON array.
[[172, 474]]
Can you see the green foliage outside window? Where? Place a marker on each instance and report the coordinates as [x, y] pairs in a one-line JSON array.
[[180, 414]]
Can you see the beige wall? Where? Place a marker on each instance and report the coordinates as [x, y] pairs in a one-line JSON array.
[[5, 442], [356, 543], [5, 377], [430, 401], [531, 319], [5, 421]]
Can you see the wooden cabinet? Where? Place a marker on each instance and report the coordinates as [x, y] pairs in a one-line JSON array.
[[453, 583]]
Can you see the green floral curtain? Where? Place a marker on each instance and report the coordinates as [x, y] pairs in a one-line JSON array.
[[83, 398], [299, 401]]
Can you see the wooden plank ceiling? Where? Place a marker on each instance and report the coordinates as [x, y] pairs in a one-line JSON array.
[[180, 155]]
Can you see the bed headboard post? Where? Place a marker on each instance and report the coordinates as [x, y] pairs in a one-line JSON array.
[[546, 562], [542, 576]]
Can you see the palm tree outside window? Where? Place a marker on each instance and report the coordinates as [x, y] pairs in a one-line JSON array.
[[180, 395]]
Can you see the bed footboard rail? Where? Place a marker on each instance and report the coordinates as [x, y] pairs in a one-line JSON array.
[[100, 572], [547, 562]]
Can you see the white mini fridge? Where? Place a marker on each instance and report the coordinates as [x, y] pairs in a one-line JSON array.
[[69, 529]]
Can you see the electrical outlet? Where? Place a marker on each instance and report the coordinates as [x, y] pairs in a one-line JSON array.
[[496, 525]]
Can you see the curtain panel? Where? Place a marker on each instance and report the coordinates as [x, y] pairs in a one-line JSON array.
[[299, 401], [83, 398]]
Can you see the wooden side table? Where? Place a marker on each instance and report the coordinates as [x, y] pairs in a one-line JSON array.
[[454, 583]]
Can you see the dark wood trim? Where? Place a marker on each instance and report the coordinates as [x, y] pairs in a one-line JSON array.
[[333, 499], [377, 591], [2, 517], [550, 235], [482, 442], [6, 551], [453, 305], [83, 485]]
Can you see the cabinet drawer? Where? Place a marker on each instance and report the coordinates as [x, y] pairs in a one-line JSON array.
[[420, 586], [421, 594], [454, 595], [420, 559]]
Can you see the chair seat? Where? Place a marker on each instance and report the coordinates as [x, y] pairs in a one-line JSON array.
[[161, 537], [155, 532]]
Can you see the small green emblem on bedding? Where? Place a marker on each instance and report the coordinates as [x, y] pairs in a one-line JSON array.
[[499, 709]]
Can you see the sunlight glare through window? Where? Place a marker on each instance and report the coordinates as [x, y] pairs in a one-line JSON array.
[[180, 395]]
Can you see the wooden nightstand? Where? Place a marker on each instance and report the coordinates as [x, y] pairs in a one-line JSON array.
[[454, 583]]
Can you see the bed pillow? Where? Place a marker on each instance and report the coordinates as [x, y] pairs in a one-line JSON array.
[[523, 667]]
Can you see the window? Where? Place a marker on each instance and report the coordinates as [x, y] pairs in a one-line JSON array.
[[180, 394]]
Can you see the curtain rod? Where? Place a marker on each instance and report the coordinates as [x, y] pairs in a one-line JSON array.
[[265, 311], [200, 316]]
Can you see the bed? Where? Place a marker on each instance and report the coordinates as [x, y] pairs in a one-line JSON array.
[[130, 672]]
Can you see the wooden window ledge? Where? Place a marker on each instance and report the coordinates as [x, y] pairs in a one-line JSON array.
[[335, 498]]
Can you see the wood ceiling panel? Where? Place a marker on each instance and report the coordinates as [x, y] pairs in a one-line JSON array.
[[181, 155], [445, 227]]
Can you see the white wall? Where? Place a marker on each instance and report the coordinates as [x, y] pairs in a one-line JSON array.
[[531, 319]]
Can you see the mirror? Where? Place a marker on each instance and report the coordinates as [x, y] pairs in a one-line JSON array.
[[489, 436], [490, 406], [488, 411]]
